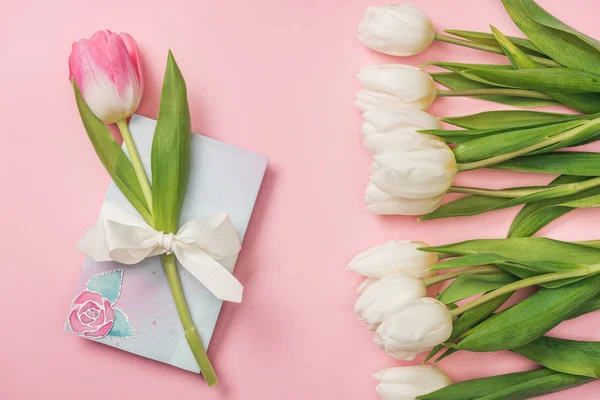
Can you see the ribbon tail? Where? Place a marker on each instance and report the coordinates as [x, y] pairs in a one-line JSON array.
[[93, 244], [211, 274]]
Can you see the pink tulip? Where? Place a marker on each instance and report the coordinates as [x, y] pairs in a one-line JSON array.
[[107, 71]]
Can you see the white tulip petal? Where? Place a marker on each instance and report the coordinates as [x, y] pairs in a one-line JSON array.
[[407, 383], [393, 120]]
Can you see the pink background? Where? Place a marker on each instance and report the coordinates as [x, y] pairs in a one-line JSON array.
[[276, 77]]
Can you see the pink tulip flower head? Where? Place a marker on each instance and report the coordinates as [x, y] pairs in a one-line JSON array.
[[107, 70]]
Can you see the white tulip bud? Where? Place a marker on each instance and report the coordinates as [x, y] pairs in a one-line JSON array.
[[395, 85], [394, 256], [388, 296], [379, 202], [421, 325], [407, 383], [395, 120], [418, 174], [382, 143], [397, 30]]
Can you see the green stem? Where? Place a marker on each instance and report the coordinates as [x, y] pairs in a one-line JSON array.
[[491, 49], [488, 269], [508, 193], [537, 146], [136, 161], [493, 92], [191, 334], [523, 283]]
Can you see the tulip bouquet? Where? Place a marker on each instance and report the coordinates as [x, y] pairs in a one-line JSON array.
[[416, 161], [393, 302], [108, 84]]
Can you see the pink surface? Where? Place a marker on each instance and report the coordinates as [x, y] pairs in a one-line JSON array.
[[276, 77]]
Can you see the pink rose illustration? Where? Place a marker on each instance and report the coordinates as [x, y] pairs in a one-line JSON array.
[[91, 315]]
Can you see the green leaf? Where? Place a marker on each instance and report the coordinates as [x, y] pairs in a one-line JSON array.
[[568, 356], [586, 102], [568, 163], [466, 206], [554, 38], [171, 150], [531, 249], [489, 39], [535, 216], [542, 79], [505, 119], [486, 147], [590, 306], [516, 386], [113, 157], [468, 285], [471, 260], [455, 81], [531, 318]]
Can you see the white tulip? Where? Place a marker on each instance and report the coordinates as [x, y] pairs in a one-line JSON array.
[[407, 383], [396, 120], [394, 256], [382, 143], [421, 325], [398, 29], [388, 296], [395, 85], [379, 202], [422, 173]]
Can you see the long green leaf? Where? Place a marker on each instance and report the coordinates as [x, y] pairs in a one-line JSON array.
[[469, 285], [590, 306], [531, 318], [485, 147], [455, 81], [568, 356], [585, 102], [516, 386], [567, 163], [535, 216], [554, 38], [542, 79], [532, 249], [113, 158], [504, 119], [171, 150]]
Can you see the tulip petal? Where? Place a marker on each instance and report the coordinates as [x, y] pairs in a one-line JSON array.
[[123, 73], [134, 54]]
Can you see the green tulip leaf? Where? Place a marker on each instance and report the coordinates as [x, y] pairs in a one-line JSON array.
[[590, 306], [516, 386], [470, 260], [567, 163], [455, 81], [468, 285], [541, 79], [505, 119], [113, 157], [508, 142], [531, 318], [171, 150], [554, 38], [568, 356]]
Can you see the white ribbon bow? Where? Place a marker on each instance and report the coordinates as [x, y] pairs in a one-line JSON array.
[[198, 246]]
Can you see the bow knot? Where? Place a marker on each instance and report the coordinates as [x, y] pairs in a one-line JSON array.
[[199, 245], [166, 241]]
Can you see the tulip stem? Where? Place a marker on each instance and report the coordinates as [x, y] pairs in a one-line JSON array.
[[508, 193], [523, 283], [491, 49], [488, 269], [137, 162], [488, 162], [494, 92], [191, 334]]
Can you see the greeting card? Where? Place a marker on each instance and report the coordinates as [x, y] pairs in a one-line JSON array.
[[131, 307]]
